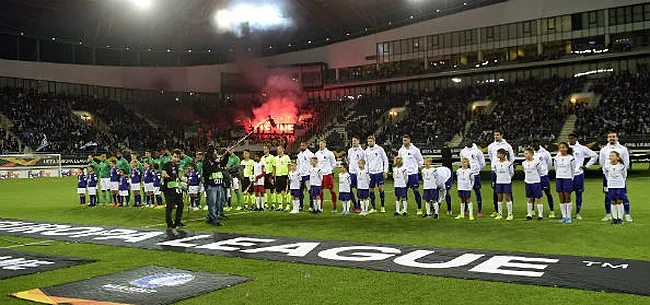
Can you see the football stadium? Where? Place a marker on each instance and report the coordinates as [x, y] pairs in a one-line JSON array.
[[324, 152]]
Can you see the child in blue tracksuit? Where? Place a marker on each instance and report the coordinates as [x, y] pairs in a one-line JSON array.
[[123, 189], [81, 186], [92, 186]]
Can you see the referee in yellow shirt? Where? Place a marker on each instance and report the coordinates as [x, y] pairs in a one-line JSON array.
[[269, 182], [282, 162]]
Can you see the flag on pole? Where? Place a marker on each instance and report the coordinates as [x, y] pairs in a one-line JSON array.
[[44, 143]]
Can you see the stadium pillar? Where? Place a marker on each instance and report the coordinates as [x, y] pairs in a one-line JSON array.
[[337, 74]]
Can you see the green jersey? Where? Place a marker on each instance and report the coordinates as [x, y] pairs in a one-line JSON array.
[[94, 164], [104, 169], [269, 163], [248, 167], [123, 164], [163, 160], [184, 162], [233, 160], [199, 167], [282, 165]]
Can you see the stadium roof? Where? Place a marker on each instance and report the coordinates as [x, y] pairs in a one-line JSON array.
[[190, 24]]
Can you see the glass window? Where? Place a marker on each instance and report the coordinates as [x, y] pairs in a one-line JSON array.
[[637, 13], [447, 40], [416, 44], [566, 23], [620, 16], [397, 48], [512, 29], [647, 12], [469, 37], [455, 39], [526, 29], [489, 33], [407, 46], [592, 19], [600, 17], [628, 14], [462, 41], [503, 32], [533, 28], [433, 41]]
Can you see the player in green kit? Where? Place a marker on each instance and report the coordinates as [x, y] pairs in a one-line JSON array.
[[268, 160], [184, 162], [247, 183], [104, 178], [233, 161], [199, 168], [282, 162], [164, 157], [122, 163]]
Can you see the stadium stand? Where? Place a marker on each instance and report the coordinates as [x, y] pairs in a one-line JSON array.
[[523, 111], [35, 115], [7, 143], [623, 106]]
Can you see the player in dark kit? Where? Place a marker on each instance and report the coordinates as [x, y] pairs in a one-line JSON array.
[[173, 191]]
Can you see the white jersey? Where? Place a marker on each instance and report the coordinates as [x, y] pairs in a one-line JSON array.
[[504, 170], [258, 170], [442, 175], [616, 175], [604, 154], [580, 153], [326, 161], [565, 166], [376, 159], [429, 176], [465, 179], [344, 183], [546, 160], [534, 170], [495, 146], [412, 158], [354, 155], [302, 162], [315, 176], [400, 175], [363, 180], [475, 157], [294, 180]]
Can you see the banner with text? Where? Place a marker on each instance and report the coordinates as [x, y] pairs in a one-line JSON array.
[[589, 273], [16, 263], [145, 286]]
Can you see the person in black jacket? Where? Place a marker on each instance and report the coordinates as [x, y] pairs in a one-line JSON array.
[[213, 179], [171, 186]]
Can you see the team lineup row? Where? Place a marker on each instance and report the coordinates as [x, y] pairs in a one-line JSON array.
[[268, 182]]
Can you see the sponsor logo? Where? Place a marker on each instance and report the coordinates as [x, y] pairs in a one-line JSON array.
[[165, 279], [127, 289], [9, 175], [38, 174], [19, 263], [590, 273]]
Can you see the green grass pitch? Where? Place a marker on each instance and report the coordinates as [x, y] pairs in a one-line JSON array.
[[55, 200]]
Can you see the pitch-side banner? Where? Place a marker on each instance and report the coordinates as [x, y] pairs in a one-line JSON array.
[[16, 263], [589, 273], [151, 285]]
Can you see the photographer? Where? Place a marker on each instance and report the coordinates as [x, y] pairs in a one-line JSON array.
[[214, 179]]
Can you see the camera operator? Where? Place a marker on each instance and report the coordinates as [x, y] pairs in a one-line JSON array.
[[215, 180]]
